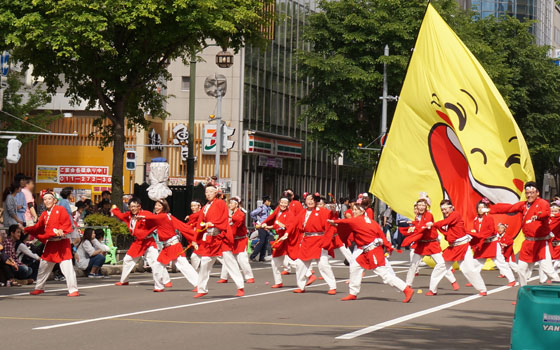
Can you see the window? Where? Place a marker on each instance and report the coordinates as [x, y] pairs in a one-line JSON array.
[[185, 83]]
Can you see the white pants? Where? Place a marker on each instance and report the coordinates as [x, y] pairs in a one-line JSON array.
[[439, 267], [545, 269], [195, 261], [344, 251], [288, 263], [467, 268], [303, 268], [356, 273], [276, 268], [206, 263], [500, 262], [183, 265], [45, 268], [243, 261], [150, 256]]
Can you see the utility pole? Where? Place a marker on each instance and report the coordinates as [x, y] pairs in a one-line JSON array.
[[384, 98], [190, 157], [218, 133]]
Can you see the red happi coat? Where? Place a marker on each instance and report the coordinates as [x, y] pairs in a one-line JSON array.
[[336, 242], [56, 218], [555, 229], [238, 231], [193, 222], [290, 244], [217, 213], [506, 244], [425, 238], [140, 229], [295, 208], [167, 226], [369, 213], [310, 247], [453, 228], [484, 228], [366, 231], [531, 251]]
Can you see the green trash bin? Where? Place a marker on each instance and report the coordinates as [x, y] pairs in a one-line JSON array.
[[536, 323]]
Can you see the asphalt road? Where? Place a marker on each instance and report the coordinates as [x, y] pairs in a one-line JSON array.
[[133, 317]]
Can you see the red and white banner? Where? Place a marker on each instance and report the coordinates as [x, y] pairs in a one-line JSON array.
[[83, 170], [84, 180]]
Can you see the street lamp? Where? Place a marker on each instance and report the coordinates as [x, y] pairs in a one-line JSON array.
[[224, 59]]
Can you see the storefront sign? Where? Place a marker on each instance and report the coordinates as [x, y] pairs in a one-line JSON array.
[[182, 138], [46, 174], [84, 180], [270, 146], [288, 149], [270, 162], [83, 170], [258, 144]]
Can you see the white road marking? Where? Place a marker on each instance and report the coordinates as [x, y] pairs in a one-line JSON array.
[[180, 306], [405, 318]]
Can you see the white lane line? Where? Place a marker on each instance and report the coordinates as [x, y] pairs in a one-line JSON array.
[[111, 284], [179, 306], [405, 318]]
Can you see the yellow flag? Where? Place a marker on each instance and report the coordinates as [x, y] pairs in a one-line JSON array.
[[452, 134]]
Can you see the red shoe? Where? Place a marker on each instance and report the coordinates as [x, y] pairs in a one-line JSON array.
[[501, 276], [455, 285], [168, 284], [121, 284], [240, 292], [279, 285], [468, 285], [430, 293], [311, 279], [511, 284], [73, 294], [399, 251], [349, 297], [483, 294], [159, 290], [416, 274], [408, 293], [548, 282], [514, 303], [299, 291], [284, 273], [321, 278], [221, 281], [36, 292], [250, 280], [195, 289], [200, 295], [331, 292]]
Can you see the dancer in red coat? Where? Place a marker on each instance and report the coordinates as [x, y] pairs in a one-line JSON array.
[[426, 244], [555, 229], [312, 226], [167, 226], [279, 221], [192, 220], [53, 229], [506, 244], [215, 240], [370, 255], [453, 228], [485, 243], [240, 241], [535, 226], [144, 244]]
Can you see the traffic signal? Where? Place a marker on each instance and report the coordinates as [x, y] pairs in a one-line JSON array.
[[13, 151], [130, 160], [227, 132]]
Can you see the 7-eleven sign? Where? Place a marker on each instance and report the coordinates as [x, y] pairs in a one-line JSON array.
[[209, 139]]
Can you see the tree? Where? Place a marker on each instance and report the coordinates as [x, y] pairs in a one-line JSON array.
[[346, 66], [22, 102], [115, 52]]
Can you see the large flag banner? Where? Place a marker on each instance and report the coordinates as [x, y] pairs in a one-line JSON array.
[[452, 134]]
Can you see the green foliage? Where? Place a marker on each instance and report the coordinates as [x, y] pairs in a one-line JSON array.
[[117, 227], [346, 67], [115, 53], [21, 102]]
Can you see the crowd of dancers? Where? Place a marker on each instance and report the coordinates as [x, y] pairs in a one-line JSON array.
[[314, 232]]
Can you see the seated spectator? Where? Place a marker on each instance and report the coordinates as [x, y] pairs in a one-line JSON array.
[[25, 253], [20, 270], [91, 255], [6, 268]]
